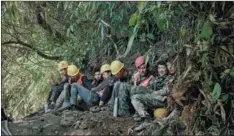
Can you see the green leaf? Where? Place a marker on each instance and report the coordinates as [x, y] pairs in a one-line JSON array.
[[161, 20], [224, 97], [216, 92], [71, 28], [232, 72], [140, 5], [131, 40], [182, 32], [150, 36], [206, 30], [133, 19], [147, 56], [92, 49]]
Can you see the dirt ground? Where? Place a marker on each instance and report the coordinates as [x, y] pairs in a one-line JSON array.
[[72, 123]]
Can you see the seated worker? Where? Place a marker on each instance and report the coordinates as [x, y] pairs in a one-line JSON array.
[[171, 79], [172, 108], [119, 97], [57, 89], [75, 77], [104, 89], [141, 78], [81, 86], [143, 99], [97, 78]]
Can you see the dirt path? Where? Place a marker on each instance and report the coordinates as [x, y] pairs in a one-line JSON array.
[[72, 123]]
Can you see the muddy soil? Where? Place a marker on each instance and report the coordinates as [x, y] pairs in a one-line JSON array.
[[72, 123]]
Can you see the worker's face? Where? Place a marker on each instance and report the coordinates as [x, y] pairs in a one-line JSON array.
[[98, 76], [162, 70], [63, 71], [73, 78], [106, 74], [142, 69], [171, 68], [120, 74]]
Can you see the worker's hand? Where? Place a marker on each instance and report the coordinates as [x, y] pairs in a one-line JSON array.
[[171, 79]]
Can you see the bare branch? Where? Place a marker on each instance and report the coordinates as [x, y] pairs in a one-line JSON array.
[[33, 49]]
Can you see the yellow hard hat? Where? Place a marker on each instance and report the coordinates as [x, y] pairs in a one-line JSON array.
[[116, 66], [160, 113], [72, 70], [62, 65], [105, 67]]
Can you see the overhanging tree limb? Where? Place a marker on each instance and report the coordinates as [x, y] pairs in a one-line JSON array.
[[33, 49]]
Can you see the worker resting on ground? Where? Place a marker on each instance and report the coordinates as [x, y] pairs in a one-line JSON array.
[[122, 76], [69, 95], [141, 78], [104, 89], [144, 98], [172, 109], [170, 81], [97, 78], [58, 88]]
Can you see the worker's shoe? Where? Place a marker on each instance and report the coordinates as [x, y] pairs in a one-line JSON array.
[[145, 118], [51, 105], [73, 107], [101, 103], [143, 126], [137, 117]]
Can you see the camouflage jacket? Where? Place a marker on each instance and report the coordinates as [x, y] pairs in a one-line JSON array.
[[156, 83], [165, 90], [160, 82]]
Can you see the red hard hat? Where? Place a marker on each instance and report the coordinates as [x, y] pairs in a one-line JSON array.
[[139, 61]]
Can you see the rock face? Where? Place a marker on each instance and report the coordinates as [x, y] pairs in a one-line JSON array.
[[72, 123]]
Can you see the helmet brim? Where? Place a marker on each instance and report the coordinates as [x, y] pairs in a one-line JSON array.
[[118, 70]]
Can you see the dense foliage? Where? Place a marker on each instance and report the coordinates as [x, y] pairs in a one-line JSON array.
[[36, 35]]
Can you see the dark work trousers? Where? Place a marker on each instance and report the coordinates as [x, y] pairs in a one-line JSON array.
[[107, 91], [54, 94]]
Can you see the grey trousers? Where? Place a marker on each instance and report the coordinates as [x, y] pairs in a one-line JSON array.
[[64, 98]]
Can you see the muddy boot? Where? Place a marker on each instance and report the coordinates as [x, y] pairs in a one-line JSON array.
[[58, 110], [52, 105], [101, 103], [77, 107], [46, 108], [145, 118], [143, 126], [137, 117]]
